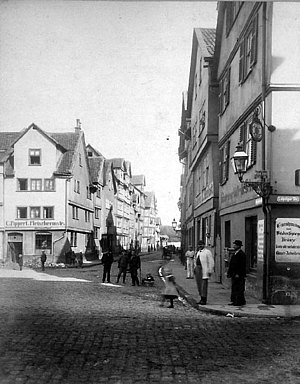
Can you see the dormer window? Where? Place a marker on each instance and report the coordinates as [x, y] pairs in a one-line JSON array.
[[34, 157]]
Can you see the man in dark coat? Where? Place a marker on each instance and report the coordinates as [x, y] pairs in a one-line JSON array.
[[107, 260], [122, 265], [237, 273], [43, 259], [134, 265]]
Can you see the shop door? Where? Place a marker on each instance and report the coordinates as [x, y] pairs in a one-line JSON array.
[[251, 242], [14, 246]]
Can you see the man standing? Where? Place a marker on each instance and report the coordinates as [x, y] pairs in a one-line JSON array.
[[122, 265], [107, 260], [204, 265], [43, 259], [237, 273], [134, 265], [189, 256]]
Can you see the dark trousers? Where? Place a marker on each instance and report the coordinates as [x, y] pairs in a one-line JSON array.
[[238, 291], [43, 265], [123, 271], [202, 284], [106, 272], [134, 277]]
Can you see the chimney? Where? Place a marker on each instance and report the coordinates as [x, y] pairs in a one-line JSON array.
[[78, 126]]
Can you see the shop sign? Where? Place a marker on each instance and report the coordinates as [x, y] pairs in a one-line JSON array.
[[260, 240], [287, 240], [285, 199], [34, 223]]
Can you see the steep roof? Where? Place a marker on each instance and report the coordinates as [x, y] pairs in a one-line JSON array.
[[96, 166], [204, 38]]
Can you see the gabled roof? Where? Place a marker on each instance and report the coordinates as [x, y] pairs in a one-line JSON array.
[[96, 165], [138, 180], [95, 152], [204, 38], [66, 142]]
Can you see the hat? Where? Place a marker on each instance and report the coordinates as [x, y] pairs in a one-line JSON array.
[[238, 243], [201, 242]]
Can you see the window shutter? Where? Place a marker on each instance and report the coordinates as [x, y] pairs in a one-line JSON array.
[[221, 166], [241, 62], [243, 135], [227, 90], [254, 41], [221, 97], [227, 160]]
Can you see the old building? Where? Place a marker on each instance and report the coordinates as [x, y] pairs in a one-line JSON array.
[[46, 199], [259, 95], [199, 146]]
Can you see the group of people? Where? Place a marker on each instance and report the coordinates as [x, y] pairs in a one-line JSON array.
[[128, 261], [200, 265]]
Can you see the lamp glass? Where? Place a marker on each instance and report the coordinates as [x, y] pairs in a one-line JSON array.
[[174, 224]]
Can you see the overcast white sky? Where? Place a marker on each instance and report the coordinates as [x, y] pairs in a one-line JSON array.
[[120, 67]]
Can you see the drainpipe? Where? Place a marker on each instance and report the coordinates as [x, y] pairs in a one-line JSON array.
[[66, 218]]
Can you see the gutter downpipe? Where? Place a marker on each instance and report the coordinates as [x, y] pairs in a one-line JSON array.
[[66, 218], [265, 206]]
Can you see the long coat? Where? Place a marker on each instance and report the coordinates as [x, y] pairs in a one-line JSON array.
[[207, 262], [237, 264]]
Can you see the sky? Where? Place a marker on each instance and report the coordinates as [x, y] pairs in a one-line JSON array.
[[119, 67]]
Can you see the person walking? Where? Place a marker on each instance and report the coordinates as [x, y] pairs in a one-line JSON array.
[[237, 273], [189, 255], [122, 265], [107, 260], [204, 265], [20, 261], [43, 259], [134, 265], [170, 292]]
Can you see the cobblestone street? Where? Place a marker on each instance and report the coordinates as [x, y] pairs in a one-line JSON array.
[[87, 332]]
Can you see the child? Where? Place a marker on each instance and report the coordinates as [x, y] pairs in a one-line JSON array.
[[170, 291]]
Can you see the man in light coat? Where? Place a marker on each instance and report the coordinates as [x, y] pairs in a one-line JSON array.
[[189, 256], [204, 266]]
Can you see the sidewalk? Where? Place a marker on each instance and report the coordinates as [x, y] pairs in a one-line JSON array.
[[219, 297]]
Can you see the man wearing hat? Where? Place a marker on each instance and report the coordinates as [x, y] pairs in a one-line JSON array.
[[237, 273], [204, 265]]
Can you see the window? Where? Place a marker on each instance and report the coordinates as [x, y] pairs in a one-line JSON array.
[[97, 213], [48, 212], [78, 186], [195, 85], [43, 241], [22, 185], [49, 184], [36, 184], [73, 240], [80, 159], [21, 212], [248, 51], [232, 10], [249, 145], [88, 193], [224, 95], [34, 157], [98, 193], [224, 163], [201, 121], [35, 212], [75, 212], [96, 232], [87, 216]]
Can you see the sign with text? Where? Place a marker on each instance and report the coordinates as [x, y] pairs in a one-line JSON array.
[[260, 240], [40, 224], [287, 240]]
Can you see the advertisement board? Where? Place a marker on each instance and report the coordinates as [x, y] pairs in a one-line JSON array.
[[287, 240]]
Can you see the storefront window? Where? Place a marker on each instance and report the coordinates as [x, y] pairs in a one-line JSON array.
[[43, 240]]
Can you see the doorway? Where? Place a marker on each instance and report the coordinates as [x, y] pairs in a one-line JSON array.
[[14, 246], [251, 242]]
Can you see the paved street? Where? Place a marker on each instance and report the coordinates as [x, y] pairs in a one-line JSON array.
[[62, 330]]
